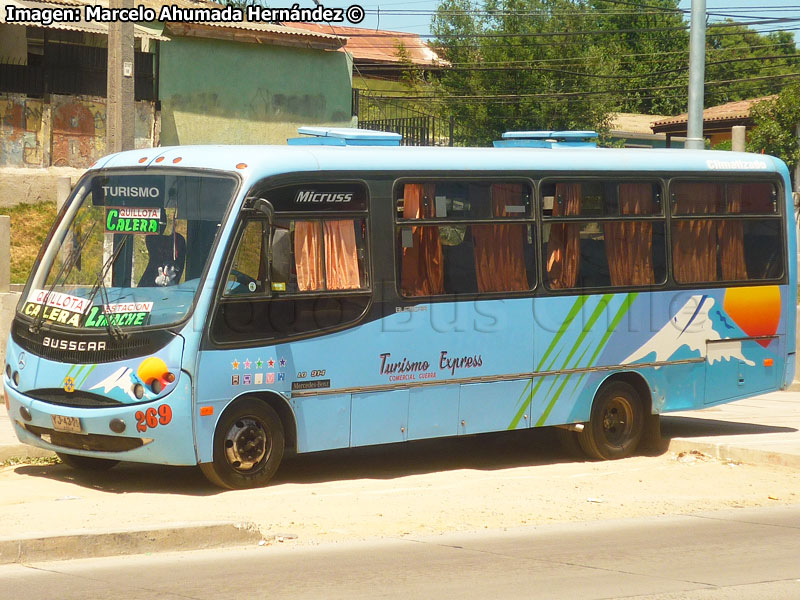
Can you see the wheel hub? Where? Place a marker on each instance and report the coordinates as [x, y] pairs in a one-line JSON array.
[[617, 420], [246, 444]]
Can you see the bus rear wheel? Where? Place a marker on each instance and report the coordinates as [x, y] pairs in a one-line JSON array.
[[616, 425], [87, 463], [248, 446]]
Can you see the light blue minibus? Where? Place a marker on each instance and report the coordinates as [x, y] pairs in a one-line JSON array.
[[224, 305]]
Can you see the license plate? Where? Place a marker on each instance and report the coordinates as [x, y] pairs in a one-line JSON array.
[[67, 424]]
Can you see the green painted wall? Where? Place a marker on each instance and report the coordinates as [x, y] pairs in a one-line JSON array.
[[215, 91]]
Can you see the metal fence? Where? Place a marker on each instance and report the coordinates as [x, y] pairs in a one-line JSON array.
[[74, 70], [387, 113]]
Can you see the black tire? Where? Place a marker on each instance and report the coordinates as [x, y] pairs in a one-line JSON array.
[[616, 425], [87, 463], [248, 446]]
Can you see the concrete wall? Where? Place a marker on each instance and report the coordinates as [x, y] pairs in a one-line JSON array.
[[13, 44], [63, 131], [215, 91], [22, 138], [8, 304]]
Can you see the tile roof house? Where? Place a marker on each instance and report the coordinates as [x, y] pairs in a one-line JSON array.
[[717, 120]]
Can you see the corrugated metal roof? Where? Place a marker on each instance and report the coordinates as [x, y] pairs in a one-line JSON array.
[[380, 45], [81, 25], [270, 28]]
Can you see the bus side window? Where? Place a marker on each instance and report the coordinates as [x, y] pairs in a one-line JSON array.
[[248, 269]]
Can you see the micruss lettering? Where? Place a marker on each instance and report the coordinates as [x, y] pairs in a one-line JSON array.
[[320, 197]]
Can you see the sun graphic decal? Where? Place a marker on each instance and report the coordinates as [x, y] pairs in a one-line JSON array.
[[757, 310]]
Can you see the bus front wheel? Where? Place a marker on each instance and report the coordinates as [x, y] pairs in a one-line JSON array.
[[248, 446], [616, 424]]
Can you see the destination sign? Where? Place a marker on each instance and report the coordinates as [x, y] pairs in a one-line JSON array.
[[127, 219]]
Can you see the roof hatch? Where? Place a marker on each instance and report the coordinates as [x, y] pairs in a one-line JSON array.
[[344, 136], [547, 139]]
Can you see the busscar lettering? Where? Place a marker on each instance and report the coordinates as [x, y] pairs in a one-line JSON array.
[[73, 345]]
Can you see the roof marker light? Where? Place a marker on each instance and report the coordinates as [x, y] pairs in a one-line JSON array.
[[143, 159], [241, 166], [160, 159], [547, 139], [175, 161], [344, 136]]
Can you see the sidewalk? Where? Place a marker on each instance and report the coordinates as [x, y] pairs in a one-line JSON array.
[[759, 431]]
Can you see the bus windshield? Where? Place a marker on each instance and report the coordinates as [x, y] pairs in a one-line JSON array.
[[130, 251]]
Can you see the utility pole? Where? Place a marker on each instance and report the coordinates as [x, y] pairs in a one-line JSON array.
[[697, 74], [119, 97]]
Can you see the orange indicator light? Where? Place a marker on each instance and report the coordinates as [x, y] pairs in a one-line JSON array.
[[143, 159], [160, 159], [175, 161], [206, 411], [241, 166], [768, 362]]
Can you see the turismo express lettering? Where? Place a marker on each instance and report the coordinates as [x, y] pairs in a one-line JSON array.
[[173, 13], [410, 370]]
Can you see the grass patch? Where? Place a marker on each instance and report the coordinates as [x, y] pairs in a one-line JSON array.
[[30, 224], [30, 460]]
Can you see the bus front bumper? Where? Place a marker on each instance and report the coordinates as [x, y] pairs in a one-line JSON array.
[[158, 432]]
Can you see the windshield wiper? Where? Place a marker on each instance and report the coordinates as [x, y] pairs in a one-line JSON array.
[[63, 273], [113, 329]]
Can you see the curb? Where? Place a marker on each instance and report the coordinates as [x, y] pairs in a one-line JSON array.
[[98, 544], [750, 456]]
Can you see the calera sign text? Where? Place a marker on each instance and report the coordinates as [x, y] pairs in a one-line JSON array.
[[132, 220]]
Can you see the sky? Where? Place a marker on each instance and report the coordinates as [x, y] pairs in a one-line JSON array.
[[415, 15]]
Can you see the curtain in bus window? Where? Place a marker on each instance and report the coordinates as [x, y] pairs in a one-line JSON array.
[[307, 255], [731, 238], [629, 245], [499, 253], [694, 242], [422, 267], [564, 246], [341, 255]]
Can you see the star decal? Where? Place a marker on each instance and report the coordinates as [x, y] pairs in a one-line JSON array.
[[283, 362], [235, 364], [247, 363], [259, 363], [271, 363]]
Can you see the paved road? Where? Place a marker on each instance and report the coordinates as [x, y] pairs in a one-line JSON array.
[[732, 554]]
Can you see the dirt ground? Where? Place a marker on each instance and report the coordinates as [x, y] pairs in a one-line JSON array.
[[429, 487]]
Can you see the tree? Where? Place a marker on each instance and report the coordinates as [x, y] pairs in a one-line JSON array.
[[775, 129]]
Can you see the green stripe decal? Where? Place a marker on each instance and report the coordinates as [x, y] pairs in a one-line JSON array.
[[85, 377], [623, 309], [526, 401]]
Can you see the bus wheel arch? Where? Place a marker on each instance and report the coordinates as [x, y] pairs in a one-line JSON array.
[[619, 417], [248, 445]]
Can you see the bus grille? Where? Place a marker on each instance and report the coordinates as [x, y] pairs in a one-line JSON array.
[[92, 441], [79, 398], [136, 344]]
